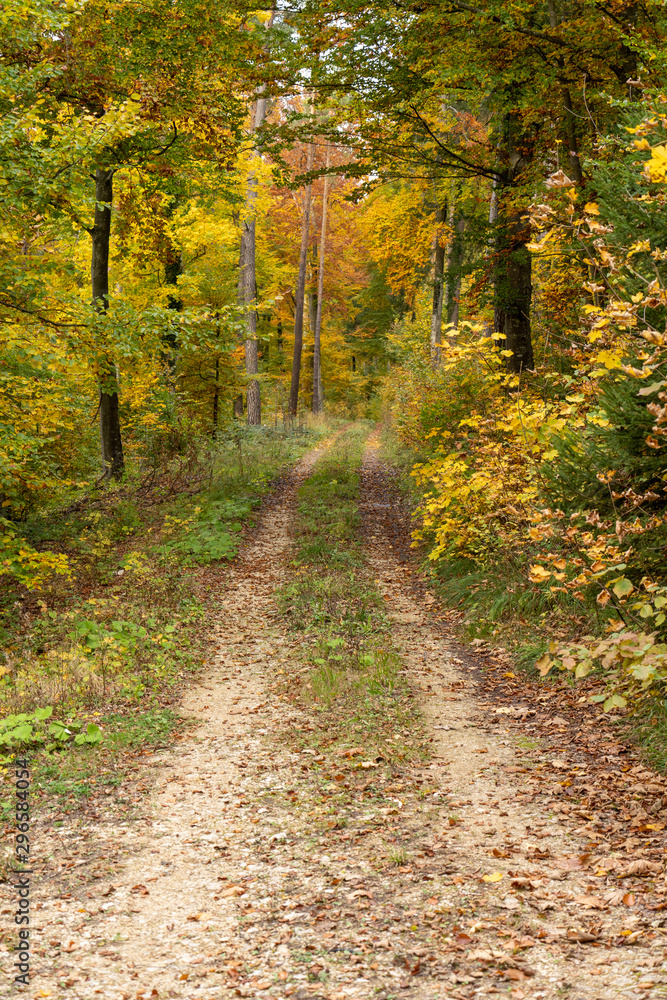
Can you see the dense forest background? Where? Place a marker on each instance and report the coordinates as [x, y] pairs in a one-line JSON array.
[[219, 222]]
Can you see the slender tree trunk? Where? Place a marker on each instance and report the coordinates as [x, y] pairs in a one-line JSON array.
[[301, 290], [110, 436], [575, 171], [439, 254], [514, 290], [173, 268], [216, 399], [312, 312], [317, 341], [248, 282]]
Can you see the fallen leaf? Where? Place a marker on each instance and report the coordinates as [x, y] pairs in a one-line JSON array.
[[359, 892], [581, 935], [232, 890], [479, 955], [516, 974], [590, 902], [569, 864], [493, 877], [642, 867]]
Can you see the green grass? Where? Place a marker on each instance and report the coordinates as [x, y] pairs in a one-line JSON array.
[[648, 729], [63, 781]]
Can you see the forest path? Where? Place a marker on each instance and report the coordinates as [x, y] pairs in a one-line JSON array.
[[240, 881]]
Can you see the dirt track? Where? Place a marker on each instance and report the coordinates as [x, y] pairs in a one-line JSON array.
[[449, 879]]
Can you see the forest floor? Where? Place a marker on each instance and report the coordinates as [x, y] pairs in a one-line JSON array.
[[257, 858]]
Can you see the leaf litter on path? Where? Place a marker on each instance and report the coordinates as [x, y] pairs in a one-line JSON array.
[[458, 874]]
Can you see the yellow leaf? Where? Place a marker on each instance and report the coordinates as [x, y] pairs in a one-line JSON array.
[[591, 208], [544, 664], [538, 574], [493, 877]]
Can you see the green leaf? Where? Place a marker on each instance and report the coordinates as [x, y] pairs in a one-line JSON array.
[[623, 587], [60, 731], [43, 713]]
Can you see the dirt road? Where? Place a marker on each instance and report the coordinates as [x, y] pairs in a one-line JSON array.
[[452, 878]]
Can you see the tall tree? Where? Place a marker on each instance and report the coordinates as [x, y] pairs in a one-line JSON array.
[[439, 254], [248, 268], [317, 338], [248, 278], [113, 463], [300, 296]]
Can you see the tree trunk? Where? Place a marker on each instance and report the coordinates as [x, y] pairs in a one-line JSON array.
[[512, 280], [575, 171], [439, 254], [454, 273], [312, 312], [216, 399], [248, 282], [317, 340], [301, 290], [110, 436], [517, 295]]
